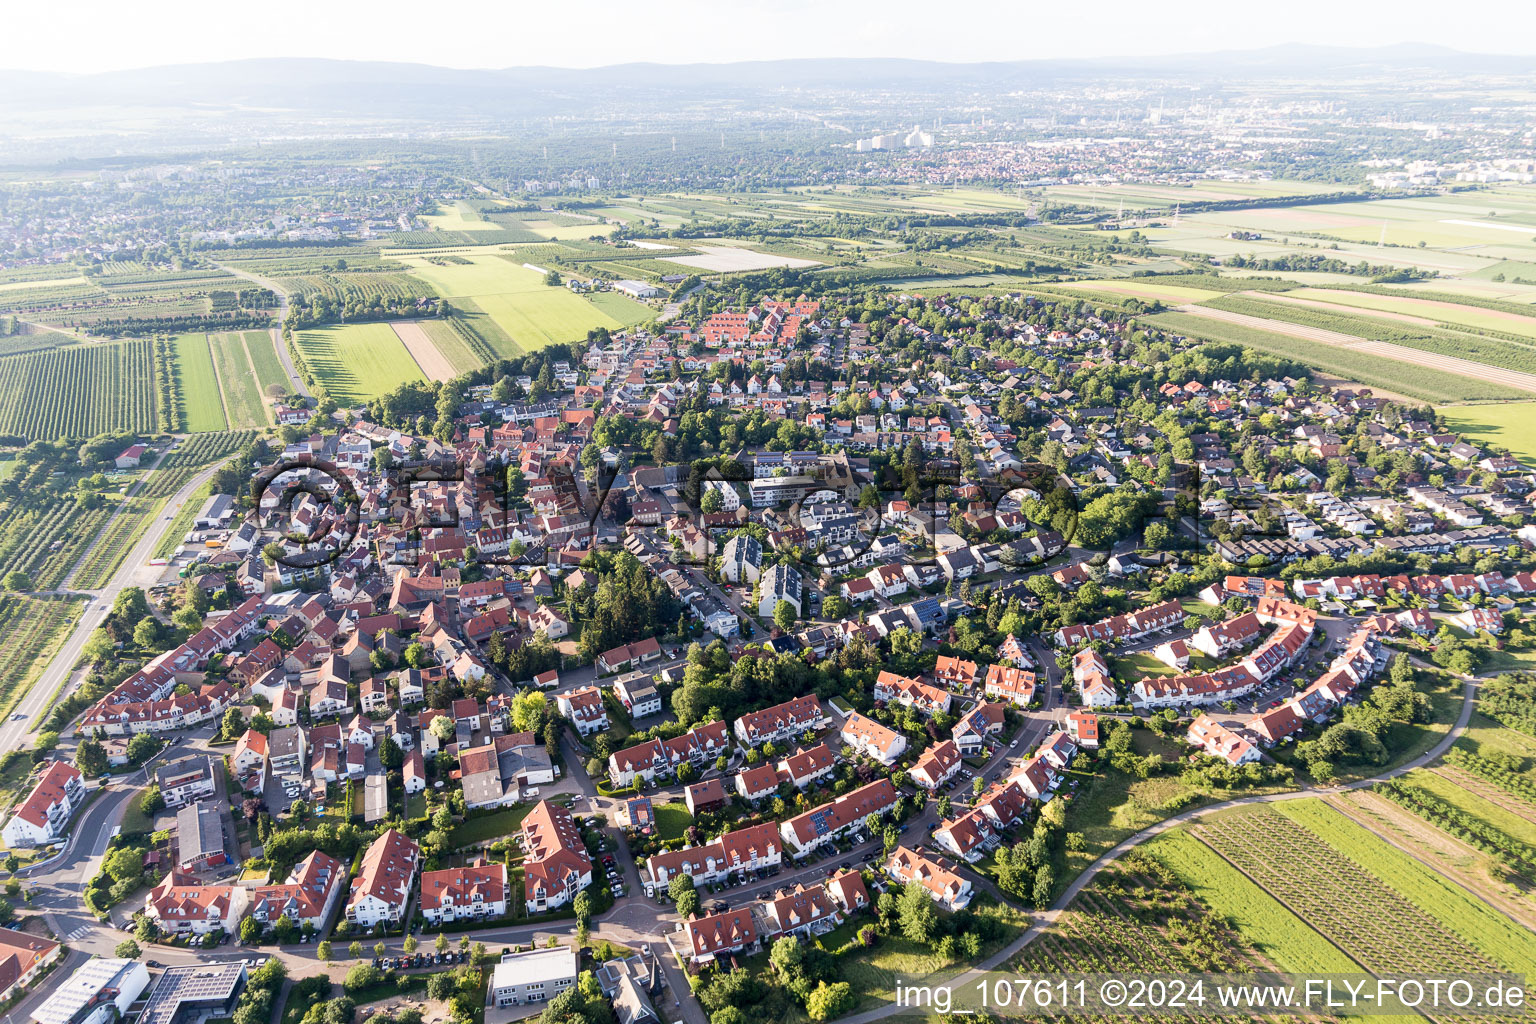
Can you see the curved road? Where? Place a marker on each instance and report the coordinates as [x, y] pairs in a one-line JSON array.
[[1043, 920]]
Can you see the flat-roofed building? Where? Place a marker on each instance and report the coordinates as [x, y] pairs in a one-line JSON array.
[[101, 990], [532, 976]]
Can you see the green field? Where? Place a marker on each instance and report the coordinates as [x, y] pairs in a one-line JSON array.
[[1272, 929], [452, 346], [242, 399], [1403, 378], [1511, 425], [1482, 927], [356, 362], [1429, 309], [269, 369], [622, 308], [518, 302], [78, 391], [1148, 288], [203, 407]]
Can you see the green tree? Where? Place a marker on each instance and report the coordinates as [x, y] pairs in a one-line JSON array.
[[784, 615], [684, 895], [91, 758], [323, 951], [18, 580], [127, 950], [146, 633], [915, 909], [827, 1001]]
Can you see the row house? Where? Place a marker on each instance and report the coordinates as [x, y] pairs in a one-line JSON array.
[[557, 866], [1015, 685], [747, 850], [925, 699], [821, 825], [1119, 628], [44, 815], [944, 886], [306, 898], [782, 721], [382, 889], [873, 740], [472, 892]]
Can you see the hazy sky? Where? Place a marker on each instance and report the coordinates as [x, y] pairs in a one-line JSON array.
[[99, 35]]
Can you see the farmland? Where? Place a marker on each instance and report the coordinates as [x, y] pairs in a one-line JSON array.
[[524, 313], [1511, 425], [1383, 908], [202, 402], [78, 391], [1356, 364], [237, 382], [31, 630], [269, 370], [356, 362]]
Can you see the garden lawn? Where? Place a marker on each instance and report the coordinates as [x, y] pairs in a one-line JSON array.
[[672, 820], [357, 362], [496, 825], [202, 407]]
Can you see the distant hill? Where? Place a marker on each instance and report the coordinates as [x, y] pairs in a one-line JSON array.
[[311, 87]]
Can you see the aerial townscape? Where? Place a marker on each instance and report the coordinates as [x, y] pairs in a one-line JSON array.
[[711, 544]]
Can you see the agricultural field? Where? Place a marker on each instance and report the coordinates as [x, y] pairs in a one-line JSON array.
[[1361, 364], [1148, 289], [78, 391], [31, 630], [201, 400], [525, 311], [1445, 347], [1511, 425], [734, 259], [423, 350], [132, 516], [237, 382], [625, 310], [356, 362], [270, 375], [1384, 909]]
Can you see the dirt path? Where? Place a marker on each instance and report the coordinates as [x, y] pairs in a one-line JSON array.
[[1400, 353], [419, 344]]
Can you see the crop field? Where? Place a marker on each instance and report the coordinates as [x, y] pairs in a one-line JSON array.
[[1344, 326], [270, 376], [242, 398], [1432, 310], [31, 630], [96, 568], [1263, 921], [623, 309], [526, 312], [1384, 909], [1149, 289], [1361, 363], [423, 350], [1511, 425], [731, 259], [356, 362], [43, 535], [1145, 915], [351, 287], [202, 402], [78, 391]]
